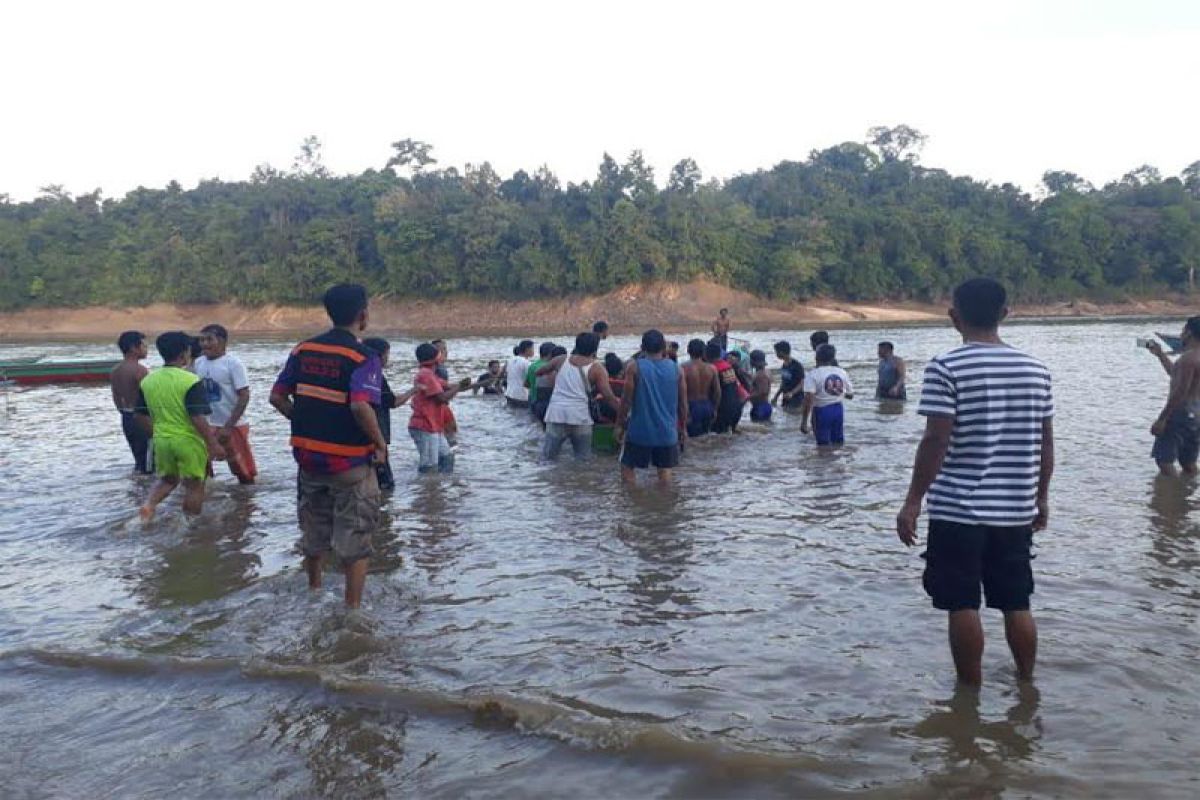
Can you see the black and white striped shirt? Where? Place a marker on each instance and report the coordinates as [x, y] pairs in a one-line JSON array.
[[998, 397]]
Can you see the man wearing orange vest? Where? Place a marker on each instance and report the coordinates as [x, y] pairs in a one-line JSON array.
[[329, 389]]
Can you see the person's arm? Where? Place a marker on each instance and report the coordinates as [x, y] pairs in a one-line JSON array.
[[198, 409], [1045, 472], [141, 413], [683, 405], [284, 388], [368, 423], [553, 365], [849, 394], [1167, 364], [805, 410], [402, 398], [901, 378], [627, 395], [1182, 378], [599, 377], [930, 455], [242, 384]]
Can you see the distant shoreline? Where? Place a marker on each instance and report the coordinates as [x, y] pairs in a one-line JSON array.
[[672, 307]]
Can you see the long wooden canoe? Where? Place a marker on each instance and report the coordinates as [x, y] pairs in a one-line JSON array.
[[58, 371]]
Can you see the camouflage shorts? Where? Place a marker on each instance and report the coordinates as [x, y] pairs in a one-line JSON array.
[[339, 513]]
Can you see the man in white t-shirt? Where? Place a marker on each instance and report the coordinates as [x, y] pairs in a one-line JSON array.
[[517, 392], [824, 390], [228, 391]]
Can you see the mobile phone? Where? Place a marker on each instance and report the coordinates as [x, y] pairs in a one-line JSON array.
[[1143, 342]]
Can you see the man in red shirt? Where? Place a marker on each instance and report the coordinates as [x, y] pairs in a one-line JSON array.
[[430, 400]]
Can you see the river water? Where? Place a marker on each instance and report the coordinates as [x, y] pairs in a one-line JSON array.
[[536, 630]]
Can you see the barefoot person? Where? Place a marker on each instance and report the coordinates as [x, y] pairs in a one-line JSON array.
[[892, 374], [1176, 432], [431, 396], [383, 412], [175, 402], [985, 462], [703, 390], [329, 389], [825, 390], [125, 379], [791, 378], [228, 389], [516, 392], [577, 379], [653, 416], [760, 391], [720, 329]]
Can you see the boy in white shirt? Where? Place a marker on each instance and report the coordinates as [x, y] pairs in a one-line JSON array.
[[228, 391], [824, 390]]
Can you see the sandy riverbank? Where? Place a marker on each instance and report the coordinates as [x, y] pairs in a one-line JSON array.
[[673, 307]]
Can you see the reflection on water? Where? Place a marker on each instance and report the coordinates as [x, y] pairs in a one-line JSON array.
[[536, 629]]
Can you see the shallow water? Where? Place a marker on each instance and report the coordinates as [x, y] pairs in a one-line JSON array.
[[538, 630]]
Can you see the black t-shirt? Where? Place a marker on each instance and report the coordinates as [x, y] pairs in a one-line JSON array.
[[791, 376], [493, 386]]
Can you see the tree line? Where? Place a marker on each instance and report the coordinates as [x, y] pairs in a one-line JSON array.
[[859, 221]]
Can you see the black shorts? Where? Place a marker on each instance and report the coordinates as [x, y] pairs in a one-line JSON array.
[[959, 558], [1180, 441], [637, 456]]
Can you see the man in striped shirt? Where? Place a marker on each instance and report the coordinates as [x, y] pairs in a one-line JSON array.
[[985, 463]]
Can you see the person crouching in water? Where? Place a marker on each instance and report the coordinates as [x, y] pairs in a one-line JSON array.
[[569, 414], [760, 388], [430, 397], [824, 390], [175, 401]]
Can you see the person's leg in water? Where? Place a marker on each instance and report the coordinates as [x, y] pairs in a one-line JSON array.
[[427, 450], [139, 442], [553, 441], [356, 579], [445, 454], [166, 484], [664, 477], [628, 475], [581, 441], [1021, 632], [313, 569], [193, 498], [966, 645]]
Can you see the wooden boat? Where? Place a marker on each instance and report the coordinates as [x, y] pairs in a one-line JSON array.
[[81, 371], [17, 362]]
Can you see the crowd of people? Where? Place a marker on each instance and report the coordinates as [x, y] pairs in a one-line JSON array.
[[982, 470]]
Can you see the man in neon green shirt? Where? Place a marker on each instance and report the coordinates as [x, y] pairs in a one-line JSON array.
[[175, 400]]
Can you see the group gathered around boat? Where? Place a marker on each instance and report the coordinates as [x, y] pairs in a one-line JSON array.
[[982, 469]]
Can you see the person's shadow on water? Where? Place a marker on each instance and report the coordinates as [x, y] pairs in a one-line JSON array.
[[983, 755]]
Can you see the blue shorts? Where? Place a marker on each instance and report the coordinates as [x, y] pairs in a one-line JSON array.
[[700, 417], [827, 424], [761, 411]]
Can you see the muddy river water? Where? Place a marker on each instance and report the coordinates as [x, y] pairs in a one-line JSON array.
[[534, 630]]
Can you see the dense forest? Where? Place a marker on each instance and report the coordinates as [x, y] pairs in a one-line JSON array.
[[857, 221]]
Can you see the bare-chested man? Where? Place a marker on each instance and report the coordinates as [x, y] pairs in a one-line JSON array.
[[125, 379], [703, 390], [720, 329], [1177, 430], [760, 394]]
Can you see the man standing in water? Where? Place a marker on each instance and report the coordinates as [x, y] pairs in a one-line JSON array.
[[228, 389], [329, 389], [720, 329], [1177, 430], [985, 462], [791, 378], [600, 328], [892, 374], [125, 379], [653, 412], [703, 390]]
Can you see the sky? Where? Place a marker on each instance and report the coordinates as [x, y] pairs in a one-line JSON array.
[[117, 94]]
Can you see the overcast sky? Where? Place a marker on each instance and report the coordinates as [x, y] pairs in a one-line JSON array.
[[119, 94]]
